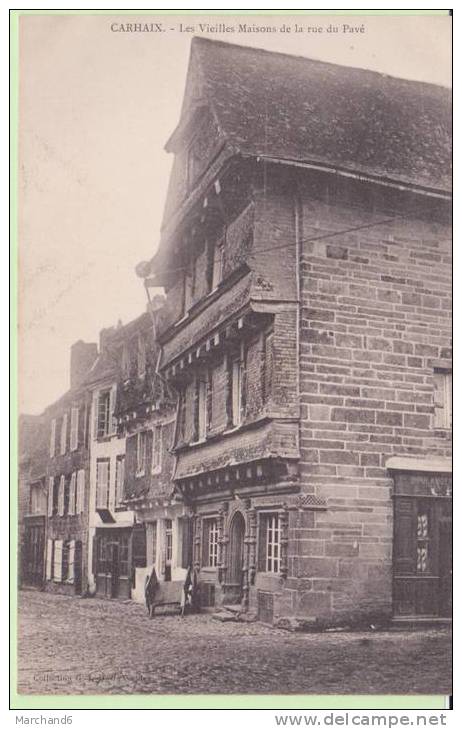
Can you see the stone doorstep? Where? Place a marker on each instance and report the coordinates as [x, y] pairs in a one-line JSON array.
[[234, 614]]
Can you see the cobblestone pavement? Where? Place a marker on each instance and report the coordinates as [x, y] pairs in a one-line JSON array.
[[74, 646]]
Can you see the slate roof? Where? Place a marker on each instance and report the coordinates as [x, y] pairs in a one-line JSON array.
[[295, 108]]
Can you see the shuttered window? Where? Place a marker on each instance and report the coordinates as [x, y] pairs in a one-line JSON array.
[[72, 494], [71, 561], [74, 437], [50, 556], [104, 405], [102, 483], [58, 560], [63, 443], [80, 497], [51, 495], [61, 495]]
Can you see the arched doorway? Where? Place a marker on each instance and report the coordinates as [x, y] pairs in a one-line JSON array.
[[236, 559]]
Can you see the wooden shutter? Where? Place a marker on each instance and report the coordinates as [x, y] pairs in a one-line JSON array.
[[186, 542], [49, 565], [71, 561], [80, 506], [61, 496], [72, 494], [139, 545], [58, 561], [51, 485], [74, 437], [53, 438]]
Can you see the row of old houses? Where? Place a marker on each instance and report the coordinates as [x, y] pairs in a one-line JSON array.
[[281, 421]]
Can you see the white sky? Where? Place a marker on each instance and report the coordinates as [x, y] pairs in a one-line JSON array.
[[96, 108]]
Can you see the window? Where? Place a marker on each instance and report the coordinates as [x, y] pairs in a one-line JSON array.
[[210, 537], [237, 385], [104, 408], [53, 438], [157, 449], [80, 497], [141, 453], [37, 500], [443, 399], [74, 438], [270, 543], [120, 478], [63, 434], [61, 495], [102, 483], [72, 494]]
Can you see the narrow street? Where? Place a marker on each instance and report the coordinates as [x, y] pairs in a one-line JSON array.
[[77, 646]]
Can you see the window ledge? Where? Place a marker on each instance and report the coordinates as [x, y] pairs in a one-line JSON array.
[[430, 465]]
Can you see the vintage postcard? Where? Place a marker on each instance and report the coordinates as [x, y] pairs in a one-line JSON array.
[[235, 364]]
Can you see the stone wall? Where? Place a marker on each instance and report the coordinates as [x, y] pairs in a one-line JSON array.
[[375, 322]]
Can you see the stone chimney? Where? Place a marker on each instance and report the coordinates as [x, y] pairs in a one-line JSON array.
[[83, 355]]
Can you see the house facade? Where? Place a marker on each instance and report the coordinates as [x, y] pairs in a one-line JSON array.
[[32, 501], [305, 255], [66, 424], [146, 416]]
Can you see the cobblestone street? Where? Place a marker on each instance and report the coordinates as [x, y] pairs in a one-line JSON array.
[[77, 646]]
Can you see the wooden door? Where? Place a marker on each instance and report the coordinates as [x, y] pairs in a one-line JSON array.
[[234, 578], [421, 557]]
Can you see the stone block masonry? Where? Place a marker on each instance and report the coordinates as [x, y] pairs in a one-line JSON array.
[[375, 322]]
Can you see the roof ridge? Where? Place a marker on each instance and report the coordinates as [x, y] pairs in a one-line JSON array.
[[196, 40]]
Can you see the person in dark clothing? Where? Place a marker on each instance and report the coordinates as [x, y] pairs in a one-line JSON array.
[[150, 587]]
